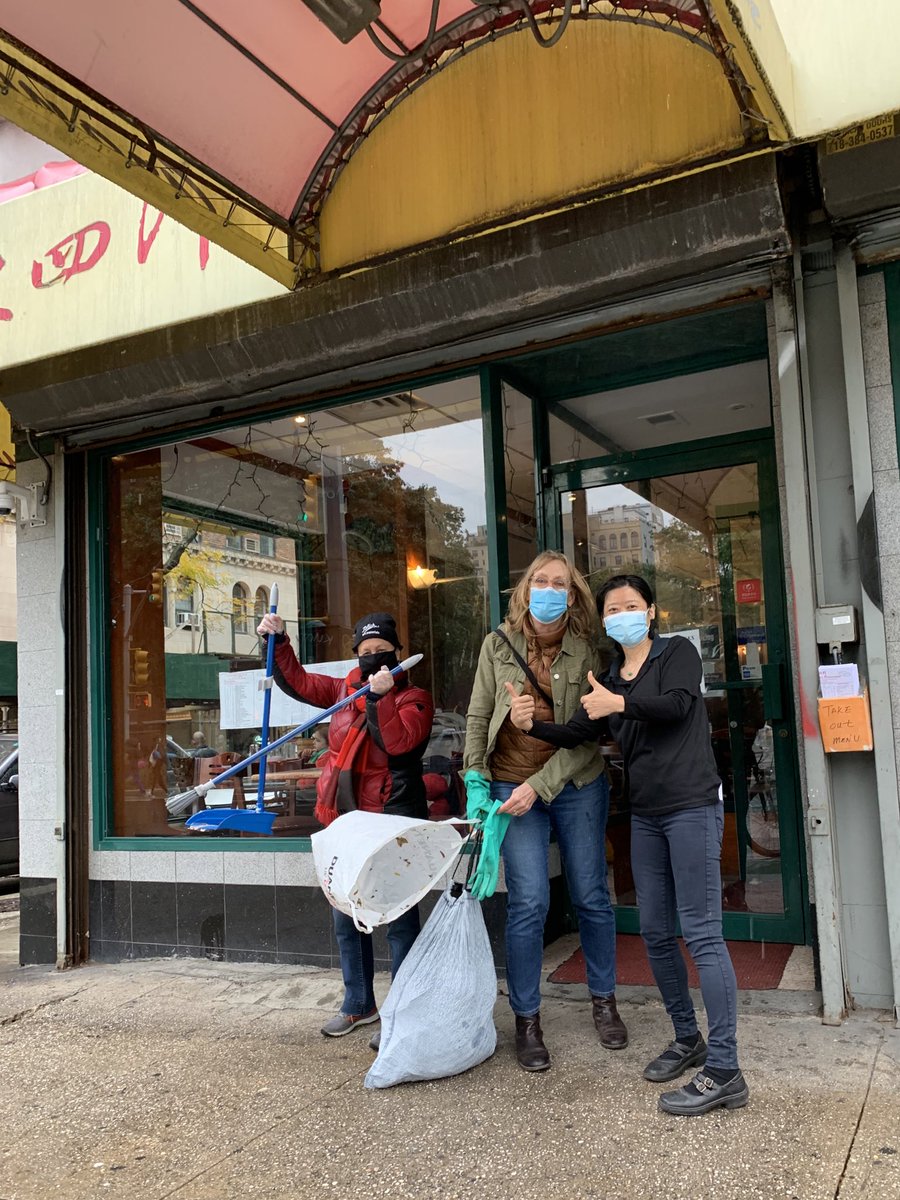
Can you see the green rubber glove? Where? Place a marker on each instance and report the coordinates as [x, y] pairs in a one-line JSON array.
[[478, 796], [484, 881]]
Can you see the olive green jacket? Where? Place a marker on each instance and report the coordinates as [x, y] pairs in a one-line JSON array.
[[489, 707]]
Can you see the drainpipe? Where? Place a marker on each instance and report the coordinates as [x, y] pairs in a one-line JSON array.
[[872, 615], [60, 832], [802, 524]]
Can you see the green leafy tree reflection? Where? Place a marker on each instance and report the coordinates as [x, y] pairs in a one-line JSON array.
[[390, 525]]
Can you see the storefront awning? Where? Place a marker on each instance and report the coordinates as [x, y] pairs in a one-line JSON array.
[[238, 119]]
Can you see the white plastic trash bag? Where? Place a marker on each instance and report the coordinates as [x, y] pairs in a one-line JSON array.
[[438, 1018], [374, 867]]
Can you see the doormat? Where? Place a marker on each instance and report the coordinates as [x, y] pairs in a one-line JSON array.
[[758, 966]]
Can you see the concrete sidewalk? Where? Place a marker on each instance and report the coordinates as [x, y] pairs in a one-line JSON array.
[[206, 1081]]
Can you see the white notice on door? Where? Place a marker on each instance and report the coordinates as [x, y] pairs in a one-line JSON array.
[[839, 680], [239, 699]]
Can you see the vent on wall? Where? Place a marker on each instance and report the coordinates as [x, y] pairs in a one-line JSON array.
[[660, 418]]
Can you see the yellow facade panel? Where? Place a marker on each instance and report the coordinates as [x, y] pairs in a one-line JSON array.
[[7, 451], [510, 127]]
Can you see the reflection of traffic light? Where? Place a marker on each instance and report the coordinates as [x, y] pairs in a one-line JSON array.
[[155, 591], [140, 666], [308, 516]]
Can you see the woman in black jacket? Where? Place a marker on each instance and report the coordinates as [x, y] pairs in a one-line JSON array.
[[650, 703]]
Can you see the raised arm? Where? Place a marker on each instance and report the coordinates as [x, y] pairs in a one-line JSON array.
[[321, 691]]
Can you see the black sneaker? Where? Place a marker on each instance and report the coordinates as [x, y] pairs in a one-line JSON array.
[[675, 1060], [703, 1094], [375, 1041]]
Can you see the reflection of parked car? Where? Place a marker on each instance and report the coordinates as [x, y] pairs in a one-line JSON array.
[[9, 814]]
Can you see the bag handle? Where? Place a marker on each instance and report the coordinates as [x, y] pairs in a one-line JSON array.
[[529, 674]]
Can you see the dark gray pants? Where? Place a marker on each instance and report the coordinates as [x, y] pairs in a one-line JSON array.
[[675, 862]]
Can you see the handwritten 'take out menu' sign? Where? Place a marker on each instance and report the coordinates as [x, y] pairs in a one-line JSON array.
[[846, 724]]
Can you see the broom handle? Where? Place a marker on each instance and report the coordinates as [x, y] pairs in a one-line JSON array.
[[267, 703], [203, 788]]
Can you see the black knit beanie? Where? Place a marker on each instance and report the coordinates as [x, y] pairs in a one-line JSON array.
[[376, 625]]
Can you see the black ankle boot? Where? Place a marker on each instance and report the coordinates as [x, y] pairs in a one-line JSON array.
[[608, 1023], [531, 1053]]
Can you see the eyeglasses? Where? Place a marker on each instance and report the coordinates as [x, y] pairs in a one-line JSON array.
[[558, 585]]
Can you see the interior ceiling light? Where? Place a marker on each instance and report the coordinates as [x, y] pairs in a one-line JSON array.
[[660, 418], [345, 18]]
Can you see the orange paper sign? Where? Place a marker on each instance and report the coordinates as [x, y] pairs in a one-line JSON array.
[[846, 724]]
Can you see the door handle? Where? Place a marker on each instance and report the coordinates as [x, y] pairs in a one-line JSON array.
[[773, 691]]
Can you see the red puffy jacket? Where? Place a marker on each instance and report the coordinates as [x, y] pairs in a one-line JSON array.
[[387, 772]]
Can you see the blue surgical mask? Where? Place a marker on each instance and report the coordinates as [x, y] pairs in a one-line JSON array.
[[547, 604], [627, 628]]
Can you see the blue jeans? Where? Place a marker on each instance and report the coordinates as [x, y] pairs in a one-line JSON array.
[[675, 862], [358, 957], [578, 817]]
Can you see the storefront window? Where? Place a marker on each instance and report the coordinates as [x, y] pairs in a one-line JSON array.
[[377, 505]]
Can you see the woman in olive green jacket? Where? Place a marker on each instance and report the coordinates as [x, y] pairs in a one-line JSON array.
[[551, 626]]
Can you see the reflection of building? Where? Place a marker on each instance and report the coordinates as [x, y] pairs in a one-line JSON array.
[[221, 617], [476, 544], [622, 536]]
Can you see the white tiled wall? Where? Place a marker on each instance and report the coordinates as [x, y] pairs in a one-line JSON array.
[[39, 676]]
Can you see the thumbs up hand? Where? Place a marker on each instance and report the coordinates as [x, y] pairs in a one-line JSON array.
[[521, 708], [600, 701]]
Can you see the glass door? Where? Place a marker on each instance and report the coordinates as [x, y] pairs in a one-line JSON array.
[[701, 525]]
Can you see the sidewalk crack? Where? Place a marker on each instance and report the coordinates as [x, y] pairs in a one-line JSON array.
[[862, 1110], [13, 1018], [249, 1142]]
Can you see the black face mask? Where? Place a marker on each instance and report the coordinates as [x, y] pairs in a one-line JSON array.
[[370, 663]]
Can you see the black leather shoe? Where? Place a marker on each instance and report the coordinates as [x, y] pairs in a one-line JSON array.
[[703, 1094], [531, 1053], [674, 1061], [608, 1023]]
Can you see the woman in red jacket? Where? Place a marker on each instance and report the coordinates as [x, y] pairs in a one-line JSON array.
[[375, 764]]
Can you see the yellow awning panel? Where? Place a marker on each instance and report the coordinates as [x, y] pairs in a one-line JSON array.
[[619, 102], [7, 450]]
